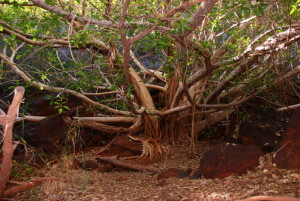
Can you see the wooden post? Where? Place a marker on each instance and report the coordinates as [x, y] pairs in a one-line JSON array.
[[7, 122]]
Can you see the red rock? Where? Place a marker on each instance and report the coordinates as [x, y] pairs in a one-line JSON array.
[[171, 172], [229, 159], [287, 154], [288, 157]]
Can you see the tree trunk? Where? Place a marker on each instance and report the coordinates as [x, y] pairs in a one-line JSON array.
[[7, 121]]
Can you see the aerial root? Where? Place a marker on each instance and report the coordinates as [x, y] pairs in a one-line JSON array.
[[151, 127]]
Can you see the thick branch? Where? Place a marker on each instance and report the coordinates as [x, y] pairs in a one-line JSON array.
[[181, 8], [70, 16], [27, 185], [290, 107], [143, 68], [270, 31], [278, 41], [273, 44], [197, 18], [108, 119], [112, 129], [233, 75], [7, 147], [131, 166], [193, 79], [224, 48], [85, 20]]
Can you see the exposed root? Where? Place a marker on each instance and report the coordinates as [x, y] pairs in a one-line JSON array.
[[193, 134], [151, 147], [107, 147], [27, 185]]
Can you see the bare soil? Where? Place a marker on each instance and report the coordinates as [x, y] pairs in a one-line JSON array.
[[120, 184]]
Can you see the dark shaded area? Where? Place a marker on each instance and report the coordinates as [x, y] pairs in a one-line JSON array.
[[58, 133], [287, 153], [44, 105], [263, 126], [254, 124]]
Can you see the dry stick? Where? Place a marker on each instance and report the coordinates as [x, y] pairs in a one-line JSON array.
[[131, 166], [290, 107], [27, 185], [7, 148]]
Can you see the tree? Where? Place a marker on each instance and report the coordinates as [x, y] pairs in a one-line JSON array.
[[169, 68]]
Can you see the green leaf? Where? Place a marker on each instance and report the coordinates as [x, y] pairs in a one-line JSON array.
[[1, 28], [66, 107], [113, 87], [128, 94], [41, 87], [19, 56], [60, 110], [44, 77]]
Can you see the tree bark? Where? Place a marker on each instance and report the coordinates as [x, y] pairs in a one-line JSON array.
[[7, 148]]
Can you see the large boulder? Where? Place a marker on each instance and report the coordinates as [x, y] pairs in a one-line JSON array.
[[287, 154], [229, 159]]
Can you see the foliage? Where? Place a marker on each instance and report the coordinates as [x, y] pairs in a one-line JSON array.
[[151, 58]]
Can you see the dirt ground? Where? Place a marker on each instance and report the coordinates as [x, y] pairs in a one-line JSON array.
[[120, 184]]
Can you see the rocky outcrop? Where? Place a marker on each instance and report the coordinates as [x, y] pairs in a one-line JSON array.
[[229, 159], [287, 154]]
